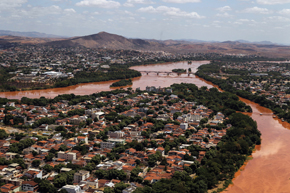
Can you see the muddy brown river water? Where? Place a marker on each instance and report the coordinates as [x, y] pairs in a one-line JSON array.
[[267, 172]]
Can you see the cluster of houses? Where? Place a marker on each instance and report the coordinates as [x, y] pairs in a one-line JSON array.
[[274, 89], [19, 178], [261, 67]]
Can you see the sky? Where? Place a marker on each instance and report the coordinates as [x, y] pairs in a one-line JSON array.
[[218, 20]]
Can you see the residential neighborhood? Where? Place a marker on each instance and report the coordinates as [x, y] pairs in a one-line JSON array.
[[263, 78], [123, 138]]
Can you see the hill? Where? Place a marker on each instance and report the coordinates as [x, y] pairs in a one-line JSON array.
[[107, 40]]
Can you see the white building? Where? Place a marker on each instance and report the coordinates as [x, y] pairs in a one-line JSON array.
[[116, 134], [81, 175], [184, 126], [107, 145], [67, 156], [29, 186], [72, 188]]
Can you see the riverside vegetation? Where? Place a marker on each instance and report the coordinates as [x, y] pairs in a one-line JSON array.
[[122, 83], [178, 70]]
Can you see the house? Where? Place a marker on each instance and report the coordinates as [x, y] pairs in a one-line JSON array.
[[43, 127], [129, 189], [117, 141], [66, 155], [72, 188], [10, 155], [130, 151], [83, 139], [107, 145], [116, 134], [29, 186], [33, 173], [65, 170], [14, 181], [184, 126], [10, 188], [81, 176], [91, 182], [11, 171]]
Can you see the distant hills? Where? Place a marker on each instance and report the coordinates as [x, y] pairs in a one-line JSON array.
[[28, 34], [107, 40], [114, 41]]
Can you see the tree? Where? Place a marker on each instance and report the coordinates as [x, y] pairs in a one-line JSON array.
[[3, 134], [119, 187], [36, 163], [134, 174], [7, 119], [89, 121], [59, 182], [108, 190], [49, 157], [176, 114], [58, 167], [46, 187], [34, 153], [96, 159], [90, 167], [48, 168], [63, 191], [188, 170], [203, 121]]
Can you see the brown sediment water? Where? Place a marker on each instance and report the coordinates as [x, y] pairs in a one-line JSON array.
[[269, 169]]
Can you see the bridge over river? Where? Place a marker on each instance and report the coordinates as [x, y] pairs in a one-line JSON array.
[[166, 72]]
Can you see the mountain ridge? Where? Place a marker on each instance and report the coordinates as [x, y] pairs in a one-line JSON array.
[[31, 34], [107, 40], [114, 41]]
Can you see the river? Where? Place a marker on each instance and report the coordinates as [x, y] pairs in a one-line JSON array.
[[268, 171], [152, 79]]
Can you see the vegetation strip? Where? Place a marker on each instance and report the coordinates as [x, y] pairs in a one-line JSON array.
[[122, 83]]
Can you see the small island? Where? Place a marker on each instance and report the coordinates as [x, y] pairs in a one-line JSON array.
[[179, 70], [122, 83]]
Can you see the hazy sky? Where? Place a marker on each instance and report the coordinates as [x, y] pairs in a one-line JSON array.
[[158, 19]]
